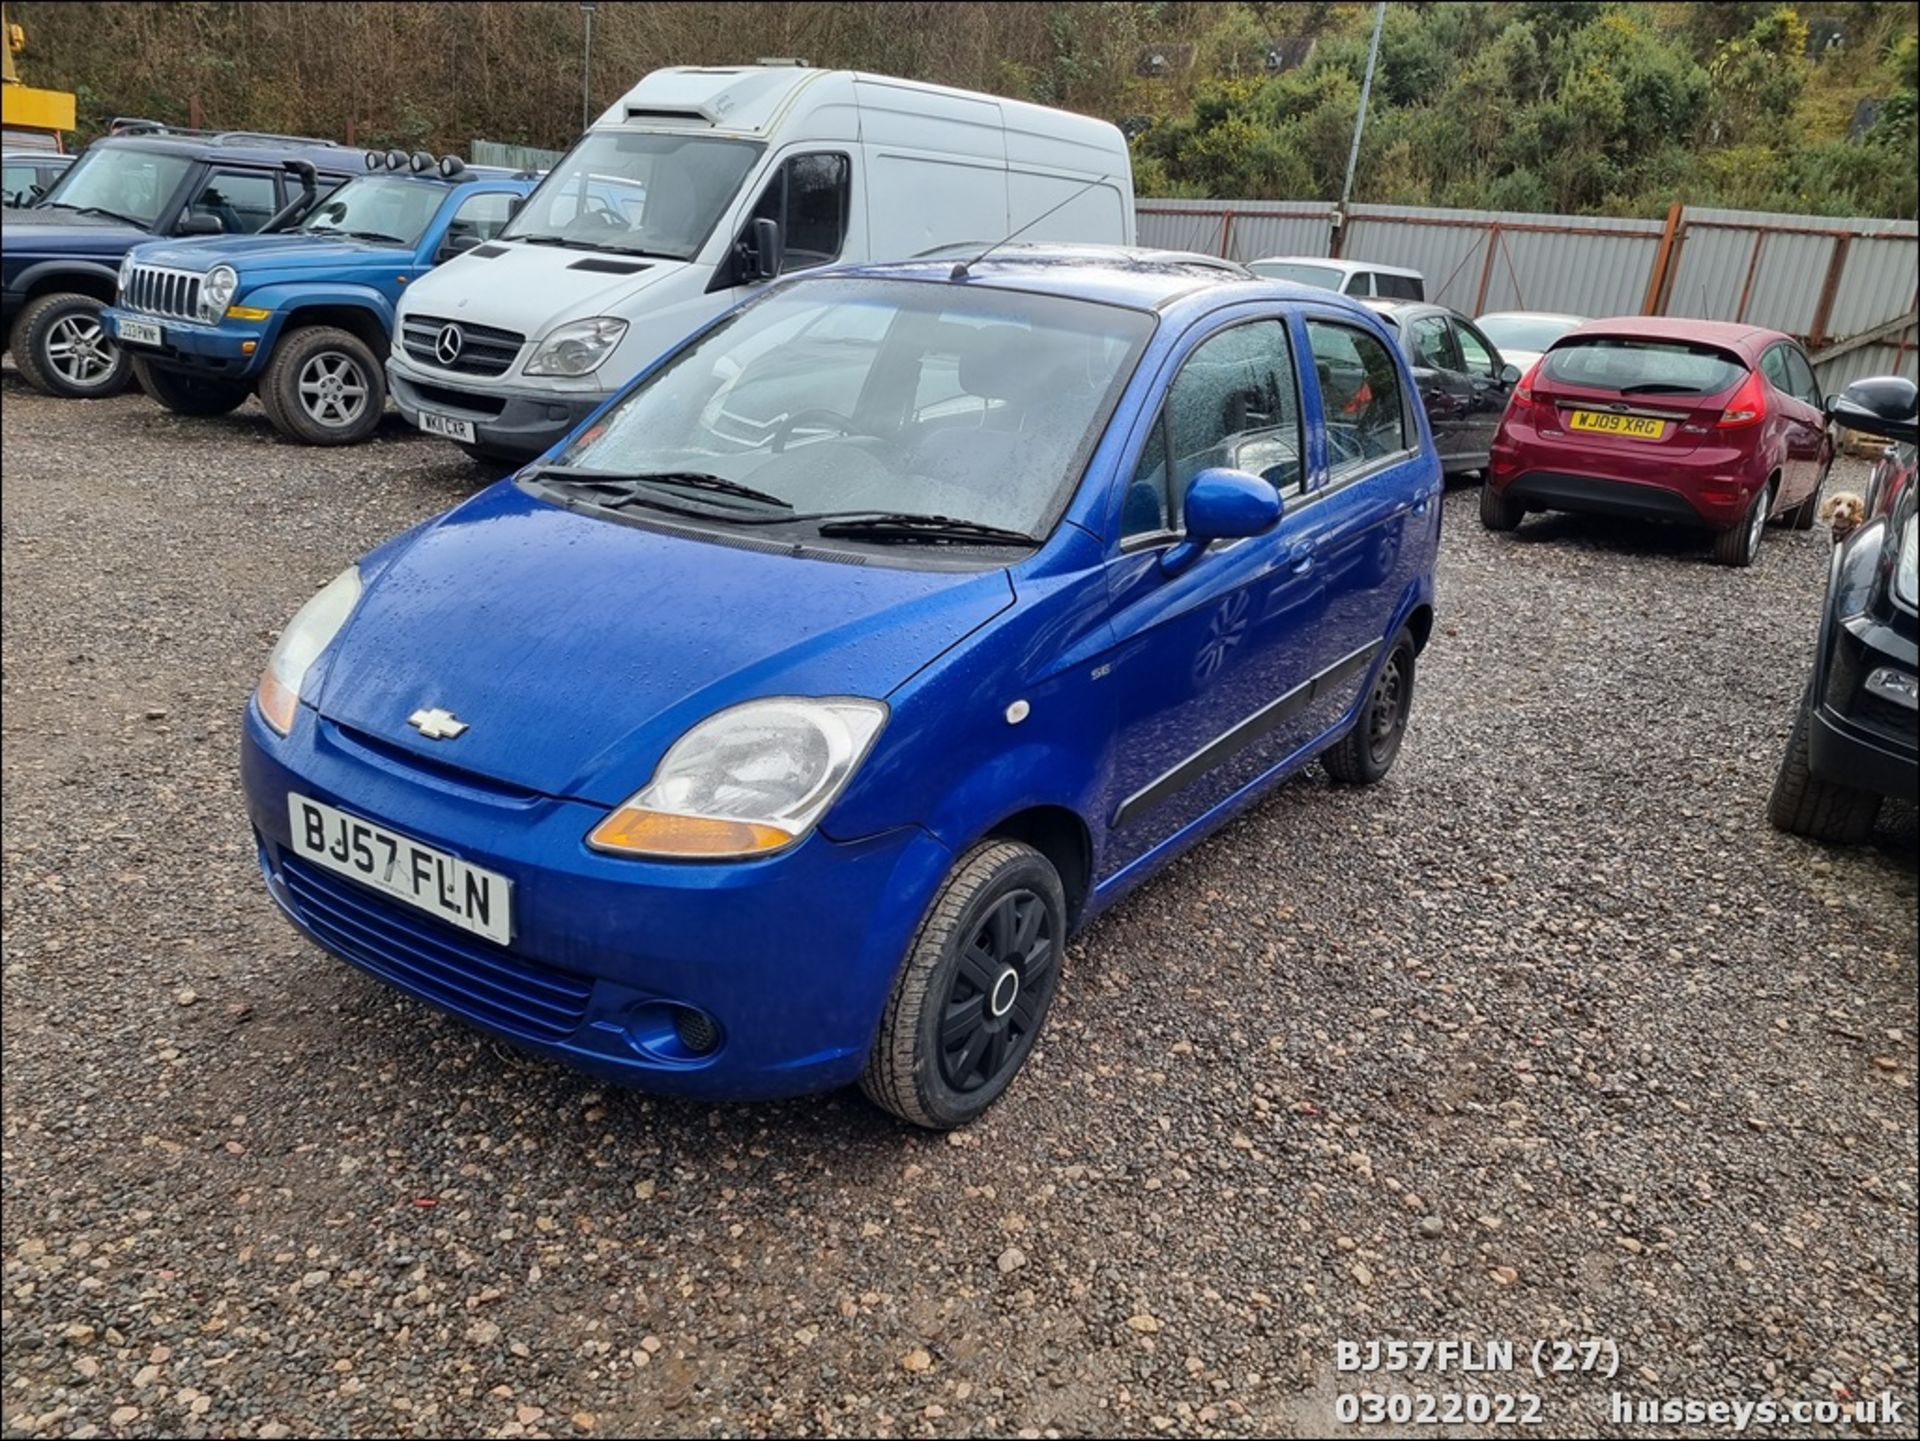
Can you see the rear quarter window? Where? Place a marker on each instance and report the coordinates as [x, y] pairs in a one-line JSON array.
[[1606, 362]]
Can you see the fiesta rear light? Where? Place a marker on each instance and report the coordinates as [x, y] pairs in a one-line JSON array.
[[1523, 392], [1748, 405]]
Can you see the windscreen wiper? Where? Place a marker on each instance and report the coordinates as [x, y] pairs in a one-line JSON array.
[[379, 236], [110, 214], [905, 527], [619, 487]]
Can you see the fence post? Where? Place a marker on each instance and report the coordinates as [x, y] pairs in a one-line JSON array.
[[1486, 271], [1753, 269], [1823, 312], [193, 112], [1662, 259], [1226, 236]]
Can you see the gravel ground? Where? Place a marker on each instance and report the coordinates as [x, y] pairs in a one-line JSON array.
[[1548, 1037]]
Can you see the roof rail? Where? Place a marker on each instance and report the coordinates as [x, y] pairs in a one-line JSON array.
[[136, 125]]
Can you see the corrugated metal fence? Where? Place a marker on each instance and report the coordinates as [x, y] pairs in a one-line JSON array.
[[1844, 286], [519, 157]]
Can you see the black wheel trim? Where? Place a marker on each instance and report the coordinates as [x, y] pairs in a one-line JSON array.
[[976, 1047], [1387, 709]]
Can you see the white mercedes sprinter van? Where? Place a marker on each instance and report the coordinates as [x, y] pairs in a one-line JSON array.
[[703, 183]]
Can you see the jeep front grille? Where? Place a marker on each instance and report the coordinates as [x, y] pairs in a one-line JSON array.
[[160, 291]]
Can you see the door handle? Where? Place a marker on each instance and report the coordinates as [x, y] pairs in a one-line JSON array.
[[1300, 557]]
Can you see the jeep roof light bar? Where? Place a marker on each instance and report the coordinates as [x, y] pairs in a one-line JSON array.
[[136, 125]]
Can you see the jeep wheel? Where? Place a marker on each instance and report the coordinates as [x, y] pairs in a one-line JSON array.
[[1806, 805], [974, 990], [188, 394], [62, 348], [324, 387]]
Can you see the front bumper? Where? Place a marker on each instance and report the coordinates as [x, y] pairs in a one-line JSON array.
[[231, 350], [1859, 737], [512, 423], [791, 957]]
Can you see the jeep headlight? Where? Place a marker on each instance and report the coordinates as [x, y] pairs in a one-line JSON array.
[[311, 631], [217, 292], [578, 347], [126, 274], [750, 780]]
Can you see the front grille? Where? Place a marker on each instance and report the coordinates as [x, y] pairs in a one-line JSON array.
[[160, 291], [433, 960], [484, 350]]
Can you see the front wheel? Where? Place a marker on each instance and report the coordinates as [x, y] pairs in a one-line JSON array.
[[1806, 805], [62, 348], [188, 394], [971, 998], [1367, 752], [324, 386]]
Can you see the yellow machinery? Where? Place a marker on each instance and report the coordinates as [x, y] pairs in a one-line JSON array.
[[31, 119]]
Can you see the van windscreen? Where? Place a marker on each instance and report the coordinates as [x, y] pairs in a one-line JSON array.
[[1643, 366], [638, 194]]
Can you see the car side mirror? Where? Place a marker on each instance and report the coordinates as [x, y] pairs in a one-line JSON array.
[[455, 245], [762, 251], [1509, 374], [1222, 504], [200, 224], [1884, 405]]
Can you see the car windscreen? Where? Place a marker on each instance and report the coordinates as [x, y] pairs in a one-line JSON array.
[[386, 209], [1643, 365], [1524, 332], [120, 180], [834, 396], [1323, 276], [640, 193]]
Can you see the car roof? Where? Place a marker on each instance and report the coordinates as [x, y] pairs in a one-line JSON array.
[[1398, 310], [1055, 251], [1748, 340], [1533, 315], [1346, 266], [237, 148], [1113, 275]]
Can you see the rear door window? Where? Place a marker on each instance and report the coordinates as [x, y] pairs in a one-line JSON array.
[[1642, 365]]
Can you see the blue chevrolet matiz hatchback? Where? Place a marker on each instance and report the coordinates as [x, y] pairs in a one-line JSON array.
[[777, 729]]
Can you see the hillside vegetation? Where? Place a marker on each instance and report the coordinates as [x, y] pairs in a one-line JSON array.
[[1568, 106]]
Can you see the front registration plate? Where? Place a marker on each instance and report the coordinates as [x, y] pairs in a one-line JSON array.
[[450, 426], [430, 880], [140, 332], [1633, 427]]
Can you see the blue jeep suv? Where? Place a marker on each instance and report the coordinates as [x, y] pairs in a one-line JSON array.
[[303, 317], [58, 257]]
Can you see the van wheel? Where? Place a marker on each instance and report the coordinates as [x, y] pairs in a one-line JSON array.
[[1805, 805], [1738, 546], [1366, 752], [1497, 511], [188, 394], [324, 386], [971, 998], [62, 348]]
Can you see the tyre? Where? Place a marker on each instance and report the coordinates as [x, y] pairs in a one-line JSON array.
[[189, 394], [974, 991], [1366, 752], [1739, 546], [1805, 805], [323, 387], [1497, 511], [1803, 515], [62, 348]]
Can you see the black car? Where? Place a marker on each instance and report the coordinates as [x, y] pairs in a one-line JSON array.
[[1463, 381], [60, 257], [26, 175], [1854, 741]]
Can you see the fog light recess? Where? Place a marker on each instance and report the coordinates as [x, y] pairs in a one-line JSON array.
[[696, 1030]]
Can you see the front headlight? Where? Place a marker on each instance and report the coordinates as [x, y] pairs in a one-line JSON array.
[[1906, 584], [216, 292], [126, 274], [578, 347], [310, 631], [749, 781]]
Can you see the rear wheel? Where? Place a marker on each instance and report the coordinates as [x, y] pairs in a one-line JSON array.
[[188, 394], [62, 348], [1805, 805], [974, 992], [1739, 546], [1366, 753], [324, 386], [1497, 511]]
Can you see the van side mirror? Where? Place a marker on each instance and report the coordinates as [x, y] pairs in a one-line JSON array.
[[1884, 405], [199, 223], [1222, 504], [762, 252]]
